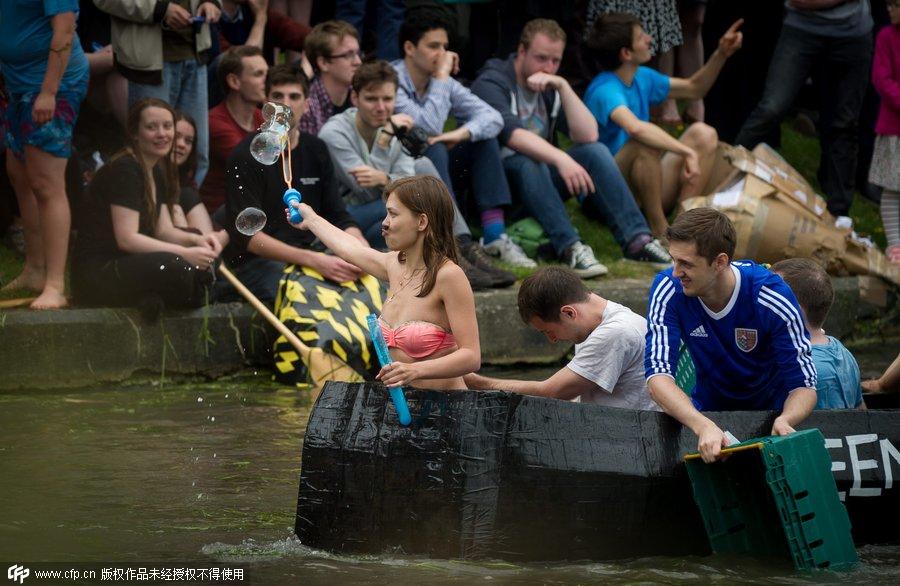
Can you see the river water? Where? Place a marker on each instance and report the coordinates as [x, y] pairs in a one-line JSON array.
[[207, 475]]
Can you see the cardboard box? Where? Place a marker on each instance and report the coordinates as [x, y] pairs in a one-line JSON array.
[[777, 215]]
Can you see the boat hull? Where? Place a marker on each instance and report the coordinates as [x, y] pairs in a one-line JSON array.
[[497, 475]]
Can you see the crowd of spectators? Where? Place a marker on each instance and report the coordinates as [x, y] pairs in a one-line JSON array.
[[539, 111]]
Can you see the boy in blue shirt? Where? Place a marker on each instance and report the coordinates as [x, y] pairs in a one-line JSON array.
[[838, 373], [659, 168], [742, 326]]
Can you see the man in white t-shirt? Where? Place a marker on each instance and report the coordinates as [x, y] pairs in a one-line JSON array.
[[608, 366]]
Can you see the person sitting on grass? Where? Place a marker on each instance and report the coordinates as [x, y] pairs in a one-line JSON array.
[[128, 251], [742, 326], [537, 104], [468, 154], [428, 317], [608, 366], [838, 385], [659, 168]]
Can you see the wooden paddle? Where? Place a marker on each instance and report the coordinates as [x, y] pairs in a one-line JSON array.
[[322, 365], [10, 303]]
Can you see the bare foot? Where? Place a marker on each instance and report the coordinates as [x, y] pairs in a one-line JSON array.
[[51, 298], [29, 280]]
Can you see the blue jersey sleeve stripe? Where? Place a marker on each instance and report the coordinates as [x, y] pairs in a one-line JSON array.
[[796, 321], [787, 312], [653, 324], [791, 317], [652, 332], [659, 339], [805, 368]]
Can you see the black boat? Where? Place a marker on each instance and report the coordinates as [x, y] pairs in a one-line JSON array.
[[498, 475]]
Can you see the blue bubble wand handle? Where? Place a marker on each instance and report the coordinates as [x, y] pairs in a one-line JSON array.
[[384, 358], [292, 195]]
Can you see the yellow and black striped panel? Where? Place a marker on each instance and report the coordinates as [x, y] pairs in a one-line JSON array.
[[328, 315]]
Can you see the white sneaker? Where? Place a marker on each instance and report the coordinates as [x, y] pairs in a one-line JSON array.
[[581, 259], [843, 222], [509, 252]]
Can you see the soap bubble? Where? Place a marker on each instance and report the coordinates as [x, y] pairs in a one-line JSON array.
[[250, 221], [266, 147]]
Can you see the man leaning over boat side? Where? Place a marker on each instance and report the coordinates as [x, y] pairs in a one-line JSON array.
[[607, 368], [742, 325]]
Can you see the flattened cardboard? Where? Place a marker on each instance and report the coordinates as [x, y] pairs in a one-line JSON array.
[[777, 215]]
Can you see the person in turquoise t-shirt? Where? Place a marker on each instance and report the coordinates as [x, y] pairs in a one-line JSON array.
[[838, 385], [46, 76], [659, 168]]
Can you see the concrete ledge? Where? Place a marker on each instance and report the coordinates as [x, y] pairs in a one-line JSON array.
[[78, 347], [71, 348]]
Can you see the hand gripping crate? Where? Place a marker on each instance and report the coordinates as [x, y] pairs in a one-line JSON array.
[[775, 496]]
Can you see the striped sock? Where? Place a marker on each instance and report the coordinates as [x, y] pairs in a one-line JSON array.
[[492, 224], [890, 216]]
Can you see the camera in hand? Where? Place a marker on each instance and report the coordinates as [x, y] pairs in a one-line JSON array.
[[413, 140]]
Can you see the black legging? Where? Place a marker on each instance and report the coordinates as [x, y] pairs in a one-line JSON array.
[[127, 280]]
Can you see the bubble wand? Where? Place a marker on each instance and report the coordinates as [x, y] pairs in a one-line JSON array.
[[384, 357], [269, 145]]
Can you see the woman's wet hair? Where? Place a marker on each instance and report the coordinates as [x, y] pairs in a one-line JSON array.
[[424, 194]]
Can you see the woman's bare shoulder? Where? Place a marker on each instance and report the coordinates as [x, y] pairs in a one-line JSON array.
[[450, 273]]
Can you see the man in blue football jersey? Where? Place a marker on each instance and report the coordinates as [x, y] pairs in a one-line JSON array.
[[742, 325]]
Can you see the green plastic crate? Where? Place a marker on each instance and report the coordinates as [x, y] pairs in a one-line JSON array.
[[685, 372], [775, 496]]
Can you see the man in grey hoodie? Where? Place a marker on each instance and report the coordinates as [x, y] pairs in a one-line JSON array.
[[367, 156], [536, 103]]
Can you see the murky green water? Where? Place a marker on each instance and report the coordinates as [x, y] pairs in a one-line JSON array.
[[208, 474]]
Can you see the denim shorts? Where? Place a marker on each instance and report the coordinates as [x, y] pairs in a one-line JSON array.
[[54, 137]]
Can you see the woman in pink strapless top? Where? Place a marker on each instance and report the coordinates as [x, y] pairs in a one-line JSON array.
[[428, 318]]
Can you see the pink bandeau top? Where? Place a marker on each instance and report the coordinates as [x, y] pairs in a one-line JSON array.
[[418, 339]]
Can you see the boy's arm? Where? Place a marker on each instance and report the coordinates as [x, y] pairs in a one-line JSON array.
[[650, 134], [660, 359], [797, 407], [696, 86], [710, 438], [481, 120], [582, 124], [432, 114], [793, 353], [499, 98], [564, 385], [345, 158], [576, 177]]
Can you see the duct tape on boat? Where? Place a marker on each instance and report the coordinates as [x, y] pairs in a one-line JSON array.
[[859, 451]]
